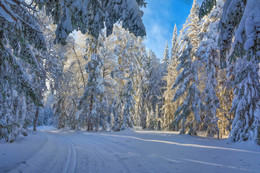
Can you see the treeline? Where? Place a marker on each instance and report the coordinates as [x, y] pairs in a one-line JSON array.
[[212, 80]]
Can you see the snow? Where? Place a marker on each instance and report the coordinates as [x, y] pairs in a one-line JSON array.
[[52, 150]]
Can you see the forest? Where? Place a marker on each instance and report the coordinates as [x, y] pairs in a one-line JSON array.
[[83, 64]]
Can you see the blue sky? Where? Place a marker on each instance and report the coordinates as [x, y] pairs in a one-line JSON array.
[[159, 19]]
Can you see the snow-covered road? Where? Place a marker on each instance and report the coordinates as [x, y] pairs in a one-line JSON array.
[[142, 151]]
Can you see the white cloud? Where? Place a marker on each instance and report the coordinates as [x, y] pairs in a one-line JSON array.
[[157, 36]]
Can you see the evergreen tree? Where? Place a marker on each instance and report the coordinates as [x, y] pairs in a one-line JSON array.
[[206, 7], [91, 16], [92, 99], [22, 47], [128, 106], [166, 57], [245, 125], [116, 121], [69, 86], [126, 53], [141, 87], [169, 107], [207, 53], [174, 49], [153, 85], [239, 22], [188, 80]]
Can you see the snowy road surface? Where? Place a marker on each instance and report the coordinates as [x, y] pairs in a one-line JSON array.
[[124, 152]]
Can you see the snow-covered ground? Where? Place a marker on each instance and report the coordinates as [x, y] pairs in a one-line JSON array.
[[52, 150]]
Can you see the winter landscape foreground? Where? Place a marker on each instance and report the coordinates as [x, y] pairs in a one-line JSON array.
[[53, 150]]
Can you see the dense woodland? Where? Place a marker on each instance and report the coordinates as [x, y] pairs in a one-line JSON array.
[[102, 77]]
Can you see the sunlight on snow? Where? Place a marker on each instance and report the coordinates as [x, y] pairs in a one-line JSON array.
[[181, 144]]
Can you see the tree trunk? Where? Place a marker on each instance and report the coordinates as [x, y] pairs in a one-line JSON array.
[[258, 133], [36, 118], [90, 123]]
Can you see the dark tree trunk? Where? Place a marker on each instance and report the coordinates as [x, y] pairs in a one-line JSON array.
[[36, 118], [90, 121]]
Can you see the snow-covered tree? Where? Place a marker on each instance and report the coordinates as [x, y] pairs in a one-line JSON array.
[[206, 7], [188, 80], [22, 72], [239, 20], [174, 49], [92, 105], [166, 57], [141, 87], [152, 86], [245, 125], [207, 53], [128, 104], [239, 43], [116, 111], [129, 53], [91, 16], [169, 107]]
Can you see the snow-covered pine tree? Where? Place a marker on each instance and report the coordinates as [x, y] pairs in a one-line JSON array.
[[166, 57], [232, 13], [187, 82], [245, 125], [91, 16], [92, 100], [154, 72], [174, 49], [128, 104], [141, 85], [144, 91], [206, 7], [67, 86], [116, 121], [164, 66], [207, 53], [54, 65], [169, 107], [21, 47], [130, 54], [140, 96], [240, 22]]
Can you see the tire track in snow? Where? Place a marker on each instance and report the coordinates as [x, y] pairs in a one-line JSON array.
[[123, 152], [60, 160], [103, 152], [67, 163], [71, 162], [149, 159], [148, 164], [101, 157], [46, 159], [91, 158], [115, 154]]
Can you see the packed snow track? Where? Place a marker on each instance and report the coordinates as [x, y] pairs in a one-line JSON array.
[[69, 151]]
